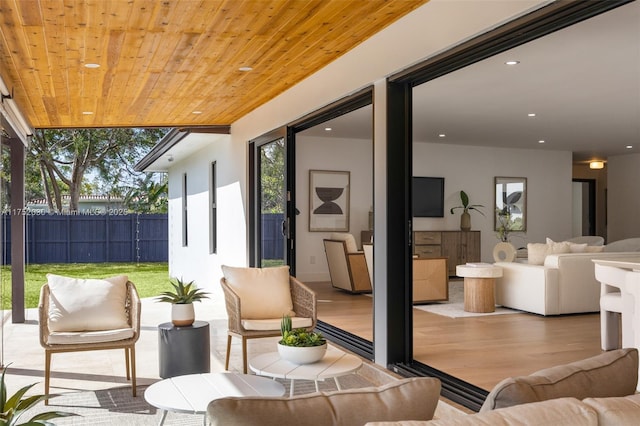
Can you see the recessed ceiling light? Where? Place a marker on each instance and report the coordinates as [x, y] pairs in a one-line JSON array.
[[541, 141], [245, 69], [512, 62], [87, 112], [328, 129], [197, 112], [629, 146], [531, 114], [91, 65], [442, 135]]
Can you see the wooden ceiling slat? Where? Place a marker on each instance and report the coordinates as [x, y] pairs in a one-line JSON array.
[[161, 60]]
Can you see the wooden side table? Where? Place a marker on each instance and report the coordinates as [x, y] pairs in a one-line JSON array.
[[479, 286], [184, 350], [430, 279]]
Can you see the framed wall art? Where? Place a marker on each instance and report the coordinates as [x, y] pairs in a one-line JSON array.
[[328, 201], [510, 204]]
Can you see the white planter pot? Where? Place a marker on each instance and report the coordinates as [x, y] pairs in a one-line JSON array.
[[302, 355], [182, 314]]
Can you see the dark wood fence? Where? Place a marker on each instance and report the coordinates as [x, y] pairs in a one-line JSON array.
[[91, 238], [272, 239]]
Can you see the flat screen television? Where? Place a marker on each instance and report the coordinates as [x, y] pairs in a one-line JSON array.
[[428, 196]]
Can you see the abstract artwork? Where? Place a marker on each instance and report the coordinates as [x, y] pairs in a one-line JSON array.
[[328, 200]]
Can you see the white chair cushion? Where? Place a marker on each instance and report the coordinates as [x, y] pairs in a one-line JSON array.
[[594, 249], [274, 324], [348, 239], [264, 292], [77, 304], [84, 337]]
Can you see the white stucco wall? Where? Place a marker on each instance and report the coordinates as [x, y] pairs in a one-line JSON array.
[[194, 262]]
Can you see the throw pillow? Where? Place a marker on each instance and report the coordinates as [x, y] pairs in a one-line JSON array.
[[612, 373], [578, 248], [537, 252], [558, 247], [264, 292], [77, 304], [348, 239]]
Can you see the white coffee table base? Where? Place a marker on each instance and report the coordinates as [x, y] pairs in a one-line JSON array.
[[193, 392], [335, 363]]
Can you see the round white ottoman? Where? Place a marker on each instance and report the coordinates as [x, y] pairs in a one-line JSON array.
[[479, 286]]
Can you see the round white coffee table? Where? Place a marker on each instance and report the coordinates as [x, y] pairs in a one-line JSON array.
[[335, 363], [479, 286], [193, 392]]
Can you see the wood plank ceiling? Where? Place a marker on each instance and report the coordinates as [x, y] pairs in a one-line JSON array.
[[162, 62]]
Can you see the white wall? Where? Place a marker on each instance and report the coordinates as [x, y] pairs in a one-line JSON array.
[[313, 153], [623, 197], [473, 169], [194, 262]]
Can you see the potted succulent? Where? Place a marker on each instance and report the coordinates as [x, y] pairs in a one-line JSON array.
[[181, 299], [299, 345], [465, 218], [13, 407]]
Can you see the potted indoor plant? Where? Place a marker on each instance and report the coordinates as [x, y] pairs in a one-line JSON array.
[[14, 406], [299, 345], [181, 299], [465, 218]]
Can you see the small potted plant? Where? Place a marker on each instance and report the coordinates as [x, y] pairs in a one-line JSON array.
[[14, 406], [181, 299], [465, 218], [299, 345]]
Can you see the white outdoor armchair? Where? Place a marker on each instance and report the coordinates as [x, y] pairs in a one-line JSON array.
[[87, 315], [256, 300]]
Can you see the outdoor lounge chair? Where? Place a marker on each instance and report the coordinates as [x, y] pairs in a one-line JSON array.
[[256, 300], [86, 315]]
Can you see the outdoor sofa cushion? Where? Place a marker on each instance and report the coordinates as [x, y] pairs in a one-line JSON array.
[[610, 374], [77, 304], [406, 399]]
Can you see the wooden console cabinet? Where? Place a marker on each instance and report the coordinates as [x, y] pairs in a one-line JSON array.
[[430, 279], [459, 247]]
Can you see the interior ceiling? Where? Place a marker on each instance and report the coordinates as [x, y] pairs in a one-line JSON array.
[[583, 84], [163, 61]]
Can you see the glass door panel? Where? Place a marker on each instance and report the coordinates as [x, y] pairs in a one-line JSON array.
[[272, 202]]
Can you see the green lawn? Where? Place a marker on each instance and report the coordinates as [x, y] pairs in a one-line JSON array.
[[150, 278]]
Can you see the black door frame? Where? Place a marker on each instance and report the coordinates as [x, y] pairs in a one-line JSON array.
[[533, 25], [255, 230]]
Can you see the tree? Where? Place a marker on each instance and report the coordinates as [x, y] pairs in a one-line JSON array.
[[148, 195], [272, 177], [65, 156]]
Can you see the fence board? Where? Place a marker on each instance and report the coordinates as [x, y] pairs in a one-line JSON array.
[[91, 238]]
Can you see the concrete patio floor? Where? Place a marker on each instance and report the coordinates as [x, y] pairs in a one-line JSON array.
[[99, 370], [97, 378]]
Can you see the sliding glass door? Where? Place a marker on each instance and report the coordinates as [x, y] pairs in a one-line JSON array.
[[271, 231]]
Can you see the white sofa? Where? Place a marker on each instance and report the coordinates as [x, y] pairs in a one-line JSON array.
[[564, 284]]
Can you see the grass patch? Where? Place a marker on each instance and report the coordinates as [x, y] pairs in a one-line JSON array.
[[150, 278]]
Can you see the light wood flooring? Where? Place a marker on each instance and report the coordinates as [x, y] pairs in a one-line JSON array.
[[480, 350]]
